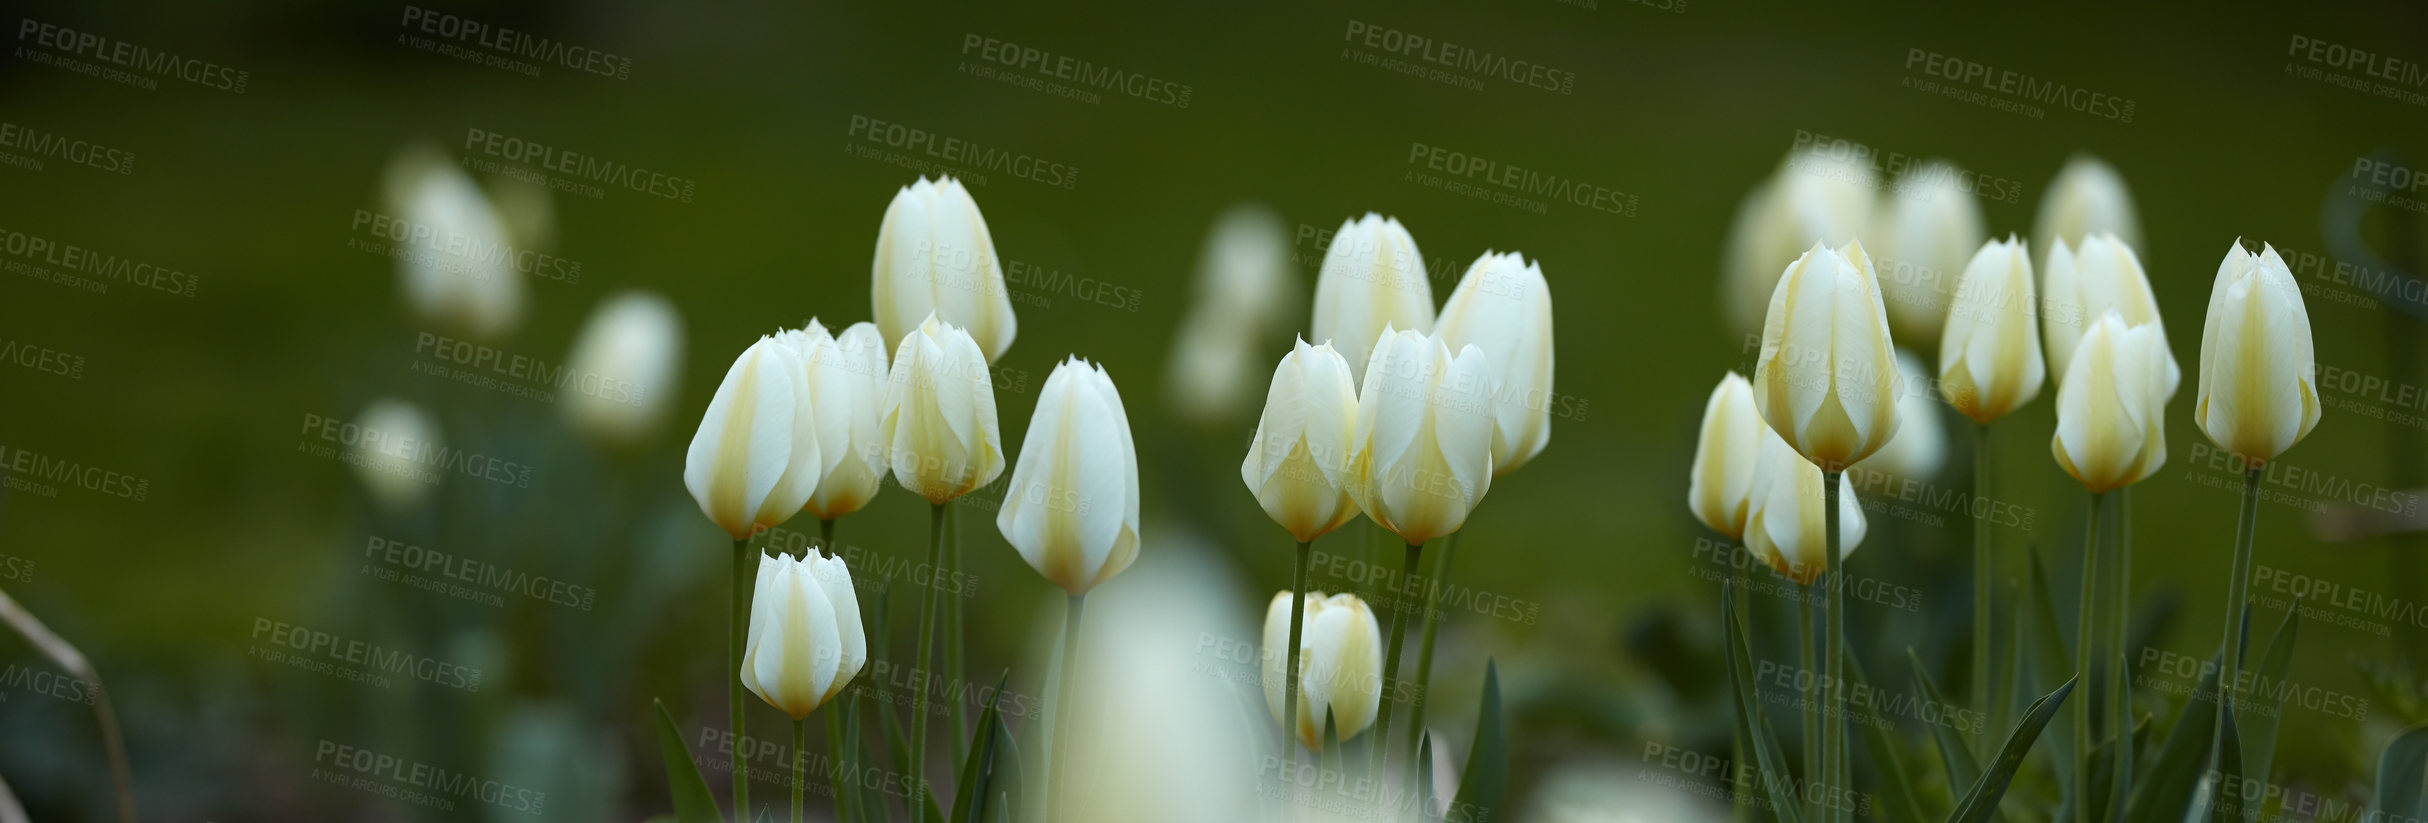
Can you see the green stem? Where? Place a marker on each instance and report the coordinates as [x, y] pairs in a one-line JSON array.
[[954, 643], [1985, 572], [1424, 649], [920, 673], [826, 539], [1834, 718], [1058, 804], [800, 740], [1813, 773], [737, 627], [2083, 635], [1399, 632], [1745, 810], [1289, 700], [2229, 679], [838, 757], [2120, 614]]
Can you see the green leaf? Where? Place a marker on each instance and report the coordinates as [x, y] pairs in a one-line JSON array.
[[1010, 775], [868, 804], [2163, 793], [1884, 750], [1483, 789], [969, 798], [2399, 770], [2258, 723], [2051, 660], [1331, 759], [1981, 803], [897, 744], [1424, 777], [1776, 779], [692, 802], [2229, 773], [1961, 770]]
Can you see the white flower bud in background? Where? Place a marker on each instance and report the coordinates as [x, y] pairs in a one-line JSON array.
[[388, 456], [626, 364], [1372, 279], [1920, 447], [457, 268], [1787, 527], [2101, 275], [1246, 291], [1720, 486], [1927, 230], [2087, 197], [934, 256], [1340, 666], [1814, 197]]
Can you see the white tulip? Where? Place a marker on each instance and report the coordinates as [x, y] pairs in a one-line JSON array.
[[1298, 461], [1920, 447], [387, 459], [1503, 307], [934, 256], [2111, 408], [2258, 373], [2087, 197], [1372, 279], [805, 643], [1989, 357], [1727, 450], [1827, 380], [1927, 229], [462, 277], [754, 460], [2101, 275], [847, 377], [1072, 507], [1422, 455], [1340, 666], [1244, 292], [627, 364], [1812, 198], [1787, 526], [938, 423]]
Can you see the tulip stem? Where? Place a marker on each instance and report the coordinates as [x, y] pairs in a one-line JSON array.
[[2230, 678], [800, 739], [2083, 635], [1813, 774], [1424, 651], [2120, 689], [919, 668], [1834, 718], [826, 538], [838, 757], [1399, 632], [736, 628], [1057, 797], [1984, 580], [1289, 700], [958, 741]]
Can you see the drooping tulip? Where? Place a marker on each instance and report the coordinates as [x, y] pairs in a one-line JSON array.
[[1787, 526], [934, 256], [1928, 229], [847, 380], [1298, 461], [1422, 455], [2087, 197], [938, 422], [387, 459], [625, 365], [1373, 278], [1340, 666], [1989, 356], [805, 643], [1827, 380], [2111, 408], [2102, 274], [1503, 307], [2258, 381], [462, 277], [1072, 506], [1720, 486], [754, 460], [1813, 197]]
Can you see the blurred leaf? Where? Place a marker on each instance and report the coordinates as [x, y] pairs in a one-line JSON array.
[[2050, 658], [1981, 803], [2163, 794], [2263, 711], [1010, 774], [692, 802], [868, 804], [1775, 777], [1424, 777], [1483, 789], [897, 744], [1884, 750], [2229, 772], [1953, 755], [1330, 761], [2399, 770], [969, 798]]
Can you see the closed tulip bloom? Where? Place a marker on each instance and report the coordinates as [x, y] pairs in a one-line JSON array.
[[1298, 462], [628, 358], [1920, 447], [847, 377], [2258, 381], [1340, 666], [1503, 307], [1989, 357], [1422, 455], [2084, 282], [2087, 197], [1788, 525], [1813, 197], [388, 458], [462, 278], [1245, 291], [805, 644], [1720, 486], [755, 459], [1372, 279], [1827, 380], [1928, 229], [1072, 508], [934, 256], [938, 422], [2111, 408]]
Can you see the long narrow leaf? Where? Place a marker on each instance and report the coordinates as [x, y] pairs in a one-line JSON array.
[[1981, 803], [2260, 713], [1776, 780], [2399, 771], [970, 796], [692, 802], [1483, 789], [2163, 794], [2226, 795], [1953, 754], [2052, 661], [1884, 751]]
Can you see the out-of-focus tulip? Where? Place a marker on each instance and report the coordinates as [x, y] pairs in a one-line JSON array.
[[626, 364], [1721, 483], [847, 398], [1928, 228], [755, 459], [388, 456], [462, 277], [2258, 381], [1813, 197], [1298, 460], [2087, 197], [1072, 507], [2111, 408], [938, 423], [1989, 357], [1827, 380], [1372, 279], [2090, 280], [934, 256], [1503, 307], [1244, 293], [805, 641], [1340, 666], [1422, 455], [1920, 447], [1787, 527]]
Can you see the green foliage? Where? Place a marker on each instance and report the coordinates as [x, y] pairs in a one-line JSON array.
[[692, 802]]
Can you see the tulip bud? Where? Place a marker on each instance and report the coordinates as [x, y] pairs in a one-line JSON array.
[[2099, 276], [387, 458], [1787, 526], [938, 422], [462, 278], [934, 256], [1989, 357], [1814, 197], [1422, 455], [805, 644], [1340, 666], [1927, 230], [2111, 408], [1721, 482], [1920, 446], [2258, 382], [1827, 379], [1072, 507], [1298, 460], [2086, 198], [1244, 292], [847, 377], [1503, 307], [1372, 279], [628, 359], [755, 459]]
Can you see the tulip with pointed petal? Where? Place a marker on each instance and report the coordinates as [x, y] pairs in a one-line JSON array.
[[938, 421], [935, 256], [847, 383], [1297, 463], [1827, 380], [1720, 486], [1072, 506], [2258, 381], [1421, 457], [1340, 662], [754, 460], [805, 639], [2111, 418], [1785, 526], [1372, 279], [1503, 307], [1989, 356], [2088, 280]]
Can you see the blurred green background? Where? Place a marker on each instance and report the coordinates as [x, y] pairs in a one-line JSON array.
[[1684, 105]]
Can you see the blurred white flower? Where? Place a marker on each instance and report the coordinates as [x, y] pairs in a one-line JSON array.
[[457, 267], [626, 364], [1340, 665], [1927, 229], [1244, 294], [1812, 198], [1920, 445], [2087, 197], [388, 458]]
